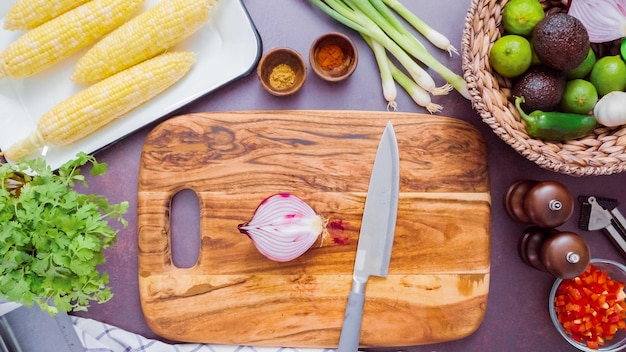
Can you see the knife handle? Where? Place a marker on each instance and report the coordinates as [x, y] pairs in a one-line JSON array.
[[351, 329]]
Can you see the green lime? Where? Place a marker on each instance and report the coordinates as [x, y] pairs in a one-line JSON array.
[[584, 68], [622, 49], [520, 16], [535, 60], [609, 74], [510, 55], [579, 97]]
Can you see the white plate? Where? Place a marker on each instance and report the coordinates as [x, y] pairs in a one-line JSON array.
[[227, 47]]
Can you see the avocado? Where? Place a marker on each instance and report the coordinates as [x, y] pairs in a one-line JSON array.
[[560, 41], [542, 88]]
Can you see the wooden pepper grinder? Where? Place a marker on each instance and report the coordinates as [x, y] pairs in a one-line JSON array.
[[562, 254], [545, 204]]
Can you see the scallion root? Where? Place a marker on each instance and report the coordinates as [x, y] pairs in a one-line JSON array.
[[443, 90]]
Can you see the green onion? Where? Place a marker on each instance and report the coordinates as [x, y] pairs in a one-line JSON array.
[[373, 20], [438, 39], [390, 74], [384, 66], [417, 93]]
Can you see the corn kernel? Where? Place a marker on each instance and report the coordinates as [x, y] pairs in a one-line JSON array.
[[59, 38], [100, 104], [149, 34]]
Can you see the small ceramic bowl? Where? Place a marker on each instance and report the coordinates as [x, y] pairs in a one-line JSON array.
[[333, 57], [282, 71], [617, 272]]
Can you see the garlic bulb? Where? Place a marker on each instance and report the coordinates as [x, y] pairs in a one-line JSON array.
[[283, 227], [610, 110]]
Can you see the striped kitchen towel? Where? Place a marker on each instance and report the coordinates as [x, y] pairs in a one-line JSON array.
[[100, 337]]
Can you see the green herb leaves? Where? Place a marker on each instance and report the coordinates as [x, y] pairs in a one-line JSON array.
[[52, 237]]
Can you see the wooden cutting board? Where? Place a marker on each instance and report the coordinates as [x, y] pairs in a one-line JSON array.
[[439, 272]]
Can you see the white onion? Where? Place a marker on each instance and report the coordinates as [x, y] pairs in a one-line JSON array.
[[283, 227], [605, 20]]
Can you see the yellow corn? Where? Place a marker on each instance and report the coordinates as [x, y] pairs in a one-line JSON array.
[[98, 105], [141, 38], [63, 36], [28, 14]]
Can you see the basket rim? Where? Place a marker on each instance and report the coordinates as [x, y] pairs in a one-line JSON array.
[[602, 153]]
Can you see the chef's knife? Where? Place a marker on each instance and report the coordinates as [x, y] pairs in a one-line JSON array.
[[376, 236]]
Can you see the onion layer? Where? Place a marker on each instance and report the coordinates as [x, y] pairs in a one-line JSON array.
[[283, 227], [605, 20]]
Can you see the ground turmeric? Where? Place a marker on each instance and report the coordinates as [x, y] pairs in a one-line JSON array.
[[282, 76], [330, 56]]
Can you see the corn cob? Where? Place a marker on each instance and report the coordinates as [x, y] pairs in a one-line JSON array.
[[28, 14], [63, 36], [141, 38], [96, 106]]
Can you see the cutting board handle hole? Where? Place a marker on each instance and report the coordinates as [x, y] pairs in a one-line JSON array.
[[185, 228]]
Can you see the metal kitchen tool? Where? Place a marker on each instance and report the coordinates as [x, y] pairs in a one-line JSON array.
[[376, 235], [599, 213]]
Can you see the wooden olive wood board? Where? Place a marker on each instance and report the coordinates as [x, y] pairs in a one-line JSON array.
[[438, 279]]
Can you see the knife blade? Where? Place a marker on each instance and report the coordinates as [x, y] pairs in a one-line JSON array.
[[376, 234]]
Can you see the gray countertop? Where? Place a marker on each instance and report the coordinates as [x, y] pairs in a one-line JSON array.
[[516, 317]]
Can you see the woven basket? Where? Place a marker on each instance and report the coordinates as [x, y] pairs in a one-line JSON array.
[[601, 153]]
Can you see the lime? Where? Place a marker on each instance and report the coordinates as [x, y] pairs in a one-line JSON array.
[[623, 49], [535, 60], [609, 74], [584, 68], [510, 55], [520, 16], [579, 97]]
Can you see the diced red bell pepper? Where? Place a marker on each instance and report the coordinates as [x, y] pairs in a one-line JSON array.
[[591, 307]]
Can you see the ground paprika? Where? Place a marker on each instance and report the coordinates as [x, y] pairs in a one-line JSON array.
[[330, 56]]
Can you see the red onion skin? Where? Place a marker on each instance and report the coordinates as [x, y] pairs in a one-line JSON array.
[[603, 19]]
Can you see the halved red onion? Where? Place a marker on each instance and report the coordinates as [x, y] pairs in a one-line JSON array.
[[605, 20], [283, 227]]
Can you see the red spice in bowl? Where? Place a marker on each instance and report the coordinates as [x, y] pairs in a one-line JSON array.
[[333, 57], [330, 56]]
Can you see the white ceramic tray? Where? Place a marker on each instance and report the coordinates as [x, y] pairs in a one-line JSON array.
[[227, 47]]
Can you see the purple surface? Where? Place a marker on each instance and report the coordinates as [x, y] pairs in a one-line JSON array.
[[516, 318]]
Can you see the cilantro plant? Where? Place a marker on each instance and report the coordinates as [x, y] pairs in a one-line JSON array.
[[52, 236]]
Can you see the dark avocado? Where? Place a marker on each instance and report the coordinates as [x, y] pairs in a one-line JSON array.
[[560, 41], [542, 88]]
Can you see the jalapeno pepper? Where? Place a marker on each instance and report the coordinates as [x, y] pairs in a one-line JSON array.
[[555, 126]]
